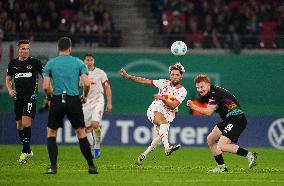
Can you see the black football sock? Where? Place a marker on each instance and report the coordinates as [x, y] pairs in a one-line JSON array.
[[86, 150], [219, 159], [52, 151], [21, 135], [26, 140], [242, 152]]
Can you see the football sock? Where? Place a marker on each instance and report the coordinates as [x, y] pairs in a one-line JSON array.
[[163, 133], [242, 152], [219, 159], [21, 135], [98, 137], [155, 143], [86, 150], [26, 140], [52, 150], [90, 138]]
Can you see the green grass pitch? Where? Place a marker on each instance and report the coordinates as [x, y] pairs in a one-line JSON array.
[[187, 166]]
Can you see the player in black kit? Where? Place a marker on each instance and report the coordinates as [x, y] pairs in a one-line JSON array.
[[22, 84], [224, 136]]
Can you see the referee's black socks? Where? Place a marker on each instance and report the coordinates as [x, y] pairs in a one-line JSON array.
[[86, 151], [52, 151], [242, 152], [26, 139]]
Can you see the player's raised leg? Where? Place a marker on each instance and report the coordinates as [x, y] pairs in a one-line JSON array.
[[155, 143], [164, 126]]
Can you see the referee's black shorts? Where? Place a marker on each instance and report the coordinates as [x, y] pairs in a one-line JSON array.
[[72, 108], [233, 126]]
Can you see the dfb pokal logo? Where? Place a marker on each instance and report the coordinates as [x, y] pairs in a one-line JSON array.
[[276, 134]]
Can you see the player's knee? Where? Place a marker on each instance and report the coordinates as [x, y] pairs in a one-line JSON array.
[[221, 146], [210, 140], [51, 132], [80, 133]]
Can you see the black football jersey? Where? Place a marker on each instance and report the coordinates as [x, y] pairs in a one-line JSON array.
[[25, 75], [227, 103]]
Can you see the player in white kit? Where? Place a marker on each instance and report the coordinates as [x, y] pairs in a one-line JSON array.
[[163, 109], [94, 106]]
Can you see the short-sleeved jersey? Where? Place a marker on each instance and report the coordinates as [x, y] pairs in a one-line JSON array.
[[169, 92], [65, 72], [98, 79], [227, 103], [25, 75]]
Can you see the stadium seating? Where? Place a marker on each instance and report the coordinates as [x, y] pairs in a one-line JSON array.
[[220, 23], [85, 21]]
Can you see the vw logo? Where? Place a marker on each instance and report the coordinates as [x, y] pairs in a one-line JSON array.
[[276, 134]]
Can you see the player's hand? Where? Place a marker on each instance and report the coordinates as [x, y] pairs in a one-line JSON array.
[[157, 96], [83, 99], [109, 107], [12, 93], [189, 103], [123, 73]]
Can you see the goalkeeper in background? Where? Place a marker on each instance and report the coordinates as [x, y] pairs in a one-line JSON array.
[[225, 135], [163, 109]]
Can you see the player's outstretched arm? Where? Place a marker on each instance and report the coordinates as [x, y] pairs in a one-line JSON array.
[[205, 111], [141, 80]]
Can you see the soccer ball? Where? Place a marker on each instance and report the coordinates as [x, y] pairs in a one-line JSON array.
[[179, 48]]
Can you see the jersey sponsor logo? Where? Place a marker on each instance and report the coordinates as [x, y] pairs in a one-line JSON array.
[[23, 75], [276, 133]]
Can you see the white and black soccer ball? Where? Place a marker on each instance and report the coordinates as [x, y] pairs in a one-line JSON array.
[[178, 48]]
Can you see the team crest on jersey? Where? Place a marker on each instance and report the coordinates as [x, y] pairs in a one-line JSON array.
[[29, 67]]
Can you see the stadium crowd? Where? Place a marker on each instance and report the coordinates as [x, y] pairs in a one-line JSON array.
[[85, 21], [222, 23]]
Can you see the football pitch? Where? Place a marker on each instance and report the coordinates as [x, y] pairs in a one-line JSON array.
[[187, 166]]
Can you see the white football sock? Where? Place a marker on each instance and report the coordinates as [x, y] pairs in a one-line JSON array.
[[90, 139], [155, 143], [164, 134], [98, 138]]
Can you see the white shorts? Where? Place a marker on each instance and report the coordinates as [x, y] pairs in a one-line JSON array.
[[170, 116], [94, 113]]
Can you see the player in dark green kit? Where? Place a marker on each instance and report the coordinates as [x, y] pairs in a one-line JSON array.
[[64, 73]]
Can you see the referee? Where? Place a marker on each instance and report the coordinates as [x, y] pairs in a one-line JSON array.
[[64, 72]]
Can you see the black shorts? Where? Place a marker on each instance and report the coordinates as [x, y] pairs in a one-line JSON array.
[[25, 107], [72, 108], [233, 126]]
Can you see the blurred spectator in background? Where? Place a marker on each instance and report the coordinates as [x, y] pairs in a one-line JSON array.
[[87, 19], [234, 24]]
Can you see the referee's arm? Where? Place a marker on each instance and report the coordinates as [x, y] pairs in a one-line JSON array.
[[86, 84], [47, 86]]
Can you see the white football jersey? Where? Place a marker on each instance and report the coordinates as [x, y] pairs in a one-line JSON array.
[[169, 92], [98, 79]]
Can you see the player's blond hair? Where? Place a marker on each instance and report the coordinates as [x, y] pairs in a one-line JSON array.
[[202, 78], [178, 67]]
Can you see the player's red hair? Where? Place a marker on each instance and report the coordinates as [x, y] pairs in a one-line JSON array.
[[202, 78]]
